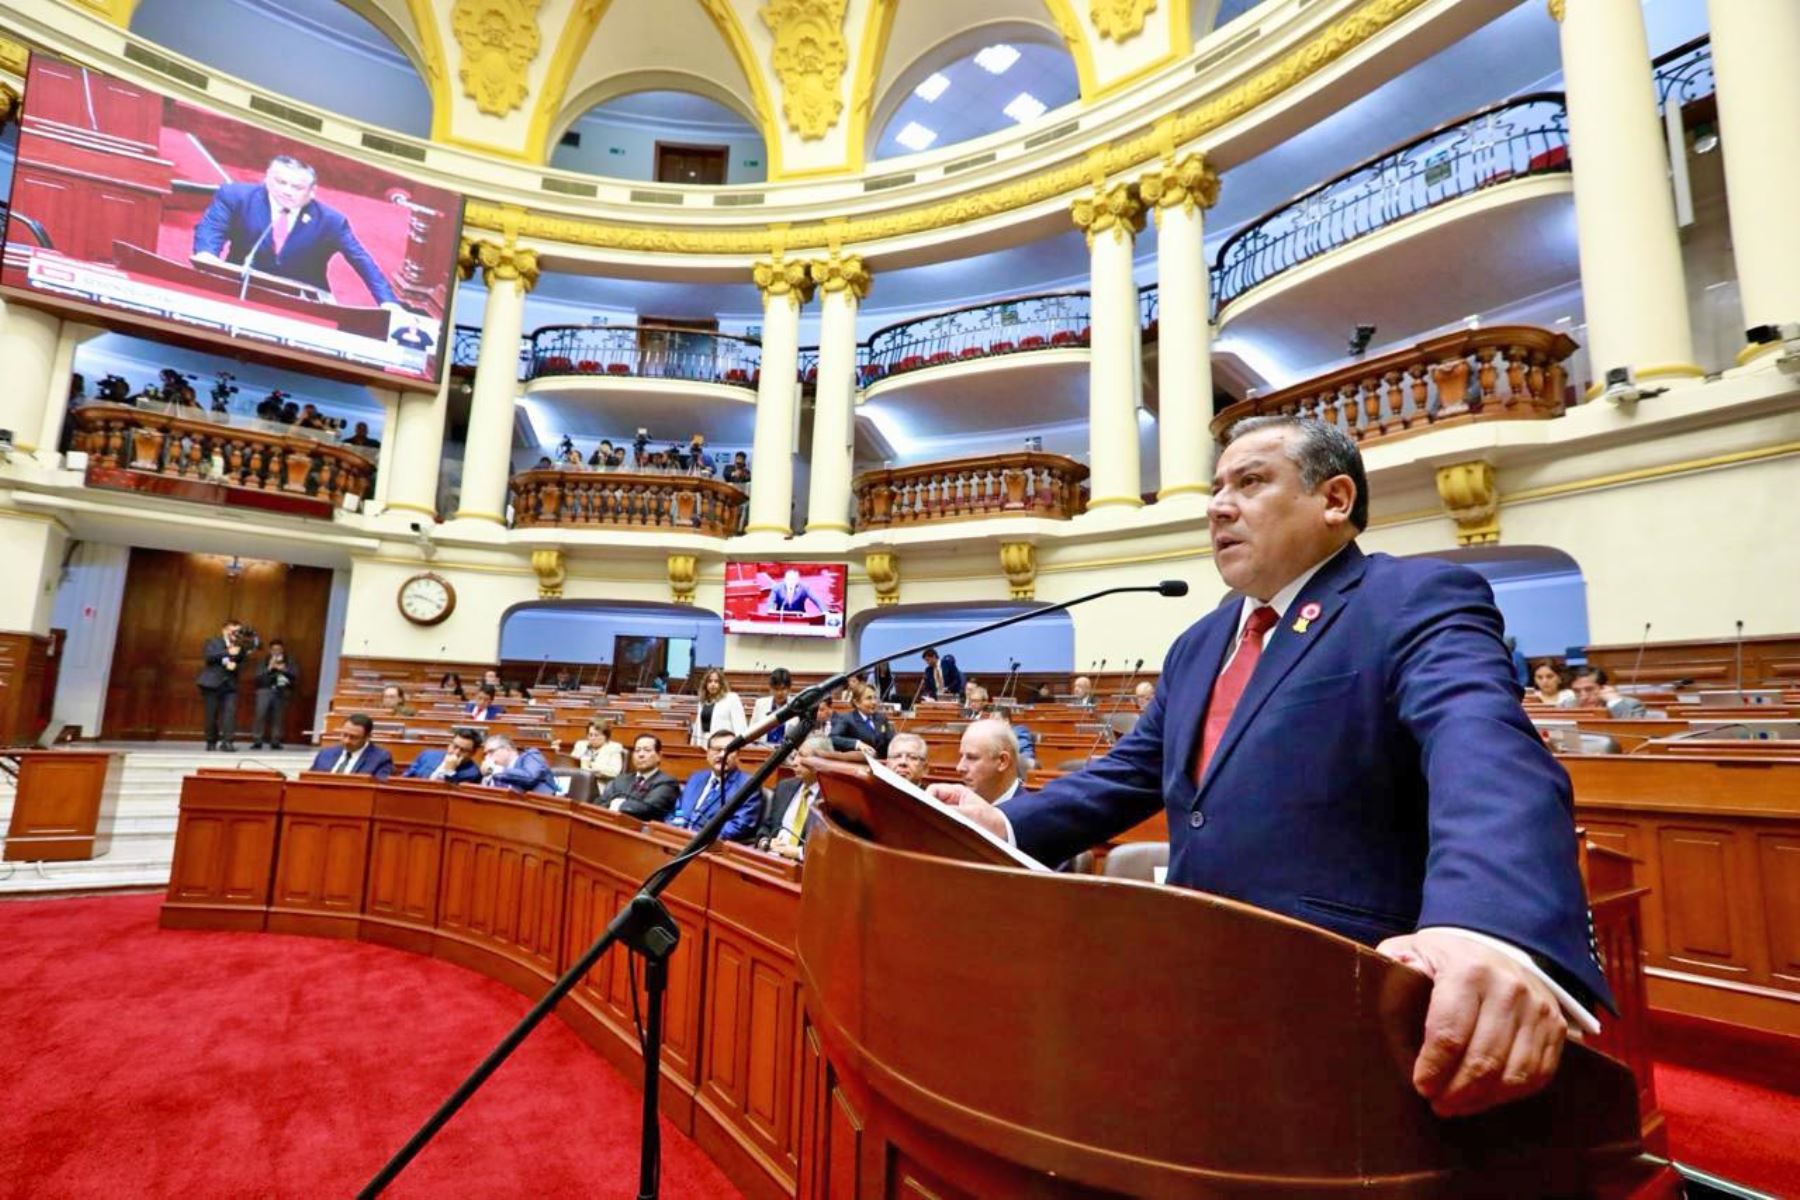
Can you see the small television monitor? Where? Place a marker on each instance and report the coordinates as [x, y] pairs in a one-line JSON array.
[[146, 212], [785, 599]]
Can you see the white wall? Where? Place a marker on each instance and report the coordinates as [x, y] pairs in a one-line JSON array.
[[621, 151], [87, 606]]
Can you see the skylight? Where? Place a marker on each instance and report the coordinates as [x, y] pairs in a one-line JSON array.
[[933, 87], [1024, 107], [996, 59], [916, 137]]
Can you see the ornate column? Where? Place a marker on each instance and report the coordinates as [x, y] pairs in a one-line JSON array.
[[412, 448], [1179, 194], [1631, 280], [843, 281], [1111, 218], [509, 271], [29, 339], [1753, 44], [785, 287]]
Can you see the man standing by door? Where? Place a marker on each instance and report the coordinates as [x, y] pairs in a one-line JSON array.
[[218, 680]]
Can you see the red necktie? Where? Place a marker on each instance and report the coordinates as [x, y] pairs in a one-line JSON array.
[[283, 226], [1231, 684]]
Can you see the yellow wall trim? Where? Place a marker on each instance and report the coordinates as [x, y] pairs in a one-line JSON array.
[[826, 527], [1185, 489], [418, 508], [725, 20], [570, 46], [1676, 468], [1753, 351], [1116, 502], [781, 529], [462, 514], [1671, 371]]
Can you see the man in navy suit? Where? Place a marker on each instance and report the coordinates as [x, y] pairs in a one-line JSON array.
[[706, 790], [792, 596], [355, 754], [453, 764], [1342, 742], [507, 766], [280, 229]]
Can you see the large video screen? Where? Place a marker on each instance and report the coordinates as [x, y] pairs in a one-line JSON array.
[[154, 212], [785, 599]]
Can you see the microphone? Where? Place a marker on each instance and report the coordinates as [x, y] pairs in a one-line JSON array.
[[542, 667], [808, 699], [239, 765], [1638, 666], [1106, 724], [1740, 660], [244, 288], [606, 688]]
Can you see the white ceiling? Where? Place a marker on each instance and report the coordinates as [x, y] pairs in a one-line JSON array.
[[970, 107]]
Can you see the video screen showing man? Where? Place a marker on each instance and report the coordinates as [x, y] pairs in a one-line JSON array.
[[280, 228], [790, 597]]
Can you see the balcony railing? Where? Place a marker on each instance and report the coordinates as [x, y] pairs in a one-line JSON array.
[[971, 489], [644, 352], [1511, 140], [1051, 319], [1506, 373], [622, 500], [1685, 74], [125, 443]]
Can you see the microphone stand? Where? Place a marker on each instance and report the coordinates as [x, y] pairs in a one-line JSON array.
[[244, 289], [1012, 679], [1118, 704], [1740, 662], [1637, 668], [645, 927]]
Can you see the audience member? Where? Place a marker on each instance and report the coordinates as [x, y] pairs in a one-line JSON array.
[[1547, 684], [781, 686], [707, 790], [864, 724], [1083, 692], [276, 683], [567, 681], [482, 707], [361, 437], [355, 754], [290, 412], [942, 681], [1590, 688], [1026, 739], [975, 697], [490, 679], [452, 683], [988, 762], [1143, 693], [738, 471], [789, 819], [455, 763], [646, 792], [908, 756], [221, 657], [882, 680], [720, 709], [504, 765], [269, 407], [598, 753], [311, 418], [393, 702]]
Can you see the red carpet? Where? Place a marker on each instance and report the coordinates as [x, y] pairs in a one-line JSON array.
[[1735, 1130], [146, 1062]]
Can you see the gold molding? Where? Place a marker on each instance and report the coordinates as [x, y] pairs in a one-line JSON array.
[[499, 39], [1556, 8], [1116, 502], [783, 530], [1189, 183], [878, 26], [1133, 150], [1184, 489], [1120, 20], [1062, 15], [506, 261], [1471, 496], [682, 578], [548, 566], [724, 19], [809, 59], [404, 506], [463, 514], [782, 278], [571, 44], [1754, 350], [117, 12], [841, 273], [883, 568], [1116, 210], [1019, 561], [827, 527], [15, 56], [9, 104]]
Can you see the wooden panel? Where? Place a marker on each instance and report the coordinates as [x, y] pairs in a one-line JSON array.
[[322, 860], [64, 806], [1699, 912], [172, 603], [1710, 663], [1778, 866], [224, 851], [500, 901], [24, 673], [728, 985], [843, 1144]]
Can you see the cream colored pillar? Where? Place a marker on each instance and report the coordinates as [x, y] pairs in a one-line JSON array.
[[29, 339], [1179, 194], [1754, 45], [412, 448], [62, 374], [1111, 218], [842, 281], [509, 271], [1631, 280], [32, 548], [384, 455], [785, 287]]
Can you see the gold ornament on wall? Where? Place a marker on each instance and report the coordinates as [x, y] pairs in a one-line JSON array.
[[550, 573], [809, 59], [1019, 561], [499, 38], [683, 578], [14, 55], [1556, 10], [1188, 183], [783, 277], [1116, 210], [507, 262], [1120, 20], [883, 567], [841, 273], [1472, 498]]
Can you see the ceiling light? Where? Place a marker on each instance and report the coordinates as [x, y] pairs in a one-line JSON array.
[[933, 87], [1024, 107], [996, 59], [915, 137]]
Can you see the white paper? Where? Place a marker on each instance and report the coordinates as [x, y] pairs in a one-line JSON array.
[[906, 785]]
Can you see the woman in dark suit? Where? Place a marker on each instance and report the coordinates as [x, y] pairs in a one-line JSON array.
[[864, 724]]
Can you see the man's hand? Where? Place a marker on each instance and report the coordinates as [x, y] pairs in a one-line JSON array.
[[966, 802], [1493, 1032]]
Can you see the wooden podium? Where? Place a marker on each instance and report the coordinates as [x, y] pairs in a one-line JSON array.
[[65, 805], [990, 1031]]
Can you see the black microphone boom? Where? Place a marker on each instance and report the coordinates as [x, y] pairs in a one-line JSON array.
[[1638, 667]]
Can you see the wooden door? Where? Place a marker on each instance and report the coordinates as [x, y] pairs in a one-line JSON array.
[[173, 602], [690, 164]]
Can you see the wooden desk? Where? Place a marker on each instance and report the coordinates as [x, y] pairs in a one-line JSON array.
[[64, 808]]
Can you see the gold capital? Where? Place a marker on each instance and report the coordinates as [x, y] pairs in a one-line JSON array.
[[550, 572], [506, 261], [682, 578], [1188, 183], [1471, 497], [1019, 561], [841, 273], [782, 277], [1556, 10], [1120, 20], [883, 567], [1116, 210]]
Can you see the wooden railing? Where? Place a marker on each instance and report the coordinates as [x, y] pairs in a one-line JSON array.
[[201, 450], [621, 500], [971, 489], [1504, 373]]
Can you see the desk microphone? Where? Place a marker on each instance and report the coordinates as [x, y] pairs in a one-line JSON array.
[[1638, 666], [244, 288], [1740, 660]]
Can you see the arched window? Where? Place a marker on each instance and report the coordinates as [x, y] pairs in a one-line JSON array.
[[1044, 645], [981, 81], [620, 645], [1539, 590]]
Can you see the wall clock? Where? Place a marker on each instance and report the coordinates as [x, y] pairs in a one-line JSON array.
[[426, 598]]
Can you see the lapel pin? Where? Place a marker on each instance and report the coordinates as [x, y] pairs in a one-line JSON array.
[[1309, 613]]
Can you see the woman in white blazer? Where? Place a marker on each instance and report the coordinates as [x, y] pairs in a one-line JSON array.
[[720, 709]]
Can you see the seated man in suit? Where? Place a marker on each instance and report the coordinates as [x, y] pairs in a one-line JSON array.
[[277, 227], [1590, 688], [706, 791], [355, 754], [1082, 692], [1022, 734], [1341, 742], [455, 763], [988, 762], [908, 757], [482, 707], [783, 831], [646, 791], [504, 765]]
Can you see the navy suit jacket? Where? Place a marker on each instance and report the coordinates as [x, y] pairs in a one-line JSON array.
[[428, 761], [374, 761], [1378, 774], [690, 813], [528, 773], [240, 215]]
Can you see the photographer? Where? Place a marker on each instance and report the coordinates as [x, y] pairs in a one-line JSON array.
[[218, 680], [276, 683]]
